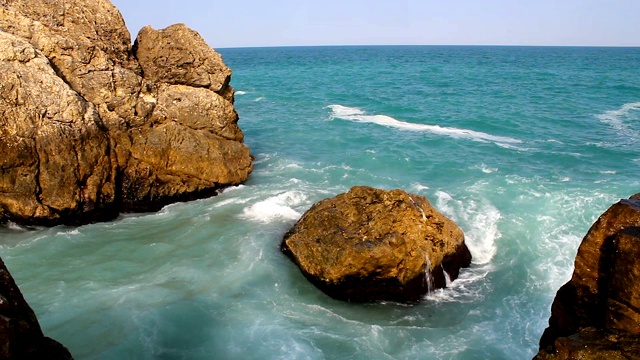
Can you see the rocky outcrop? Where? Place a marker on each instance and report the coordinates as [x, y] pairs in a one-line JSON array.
[[90, 126], [370, 244], [597, 313], [20, 333]]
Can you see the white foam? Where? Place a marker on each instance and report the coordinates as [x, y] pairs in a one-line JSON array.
[[419, 187], [616, 118], [359, 115], [467, 288], [276, 207], [478, 220], [232, 188], [486, 169], [234, 200], [68, 232], [240, 92], [259, 99], [13, 226]]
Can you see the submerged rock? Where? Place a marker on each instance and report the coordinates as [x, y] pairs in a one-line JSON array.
[[597, 313], [370, 244], [20, 333], [90, 128]]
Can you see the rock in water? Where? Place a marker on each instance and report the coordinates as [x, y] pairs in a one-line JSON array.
[[596, 315], [370, 244], [91, 126], [20, 333]]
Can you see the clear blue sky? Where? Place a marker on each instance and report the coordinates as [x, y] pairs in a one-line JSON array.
[[243, 23]]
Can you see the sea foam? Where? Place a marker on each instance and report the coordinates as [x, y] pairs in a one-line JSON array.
[[619, 118], [276, 207], [359, 115], [479, 221]]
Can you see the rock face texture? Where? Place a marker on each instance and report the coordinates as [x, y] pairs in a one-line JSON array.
[[597, 313], [90, 126], [20, 333], [370, 244]]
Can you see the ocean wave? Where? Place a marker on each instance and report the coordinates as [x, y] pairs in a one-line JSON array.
[[359, 115], [467, 288], [276, 207], [478, 220], [15, 227], [240, 92], [485, 169], [618, 118]]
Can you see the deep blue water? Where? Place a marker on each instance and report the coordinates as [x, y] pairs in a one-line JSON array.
[[524, 147]]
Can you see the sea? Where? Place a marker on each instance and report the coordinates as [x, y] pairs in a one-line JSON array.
[[523, 147]]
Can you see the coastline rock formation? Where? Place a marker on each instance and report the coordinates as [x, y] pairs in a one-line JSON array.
[[596, 315], [20, 332], [91, 126], [370, 245]]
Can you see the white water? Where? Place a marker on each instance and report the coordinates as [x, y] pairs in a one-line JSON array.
[[359, 115]]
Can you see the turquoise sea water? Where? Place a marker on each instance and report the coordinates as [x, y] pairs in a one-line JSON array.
[[522, 146]]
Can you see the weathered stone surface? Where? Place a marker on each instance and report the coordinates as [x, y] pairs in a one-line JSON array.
[[604, 292], [178, 55], [84, 135], [87, 44], [592, 344], [370, 244], [158, 174], [55, 155], [20, 333]]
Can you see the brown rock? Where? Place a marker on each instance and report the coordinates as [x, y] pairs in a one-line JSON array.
[[159, 174], [592, 344], [83, 135], [87, 44], [178, 55], [603, 293], [623, 297], [20, 333], [55, 154], [370, 244], [197, 109]]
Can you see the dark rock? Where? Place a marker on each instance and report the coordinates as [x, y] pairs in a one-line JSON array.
[[604, 293], [370, 244], [593, 344], [20, 333]]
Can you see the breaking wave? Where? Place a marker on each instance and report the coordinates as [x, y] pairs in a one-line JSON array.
[[359, 115]]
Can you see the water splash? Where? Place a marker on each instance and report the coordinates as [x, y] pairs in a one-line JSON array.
[[428, 276], [447, 277]]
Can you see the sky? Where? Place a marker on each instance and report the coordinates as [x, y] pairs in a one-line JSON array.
[[249, 23]]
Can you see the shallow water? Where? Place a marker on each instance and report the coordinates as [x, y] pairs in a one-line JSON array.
[[522, 147]]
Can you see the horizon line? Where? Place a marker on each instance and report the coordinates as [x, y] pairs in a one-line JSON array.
[[429, 45]]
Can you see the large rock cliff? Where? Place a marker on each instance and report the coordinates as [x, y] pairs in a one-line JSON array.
[[370, 244], [596, 315], [91, 126]]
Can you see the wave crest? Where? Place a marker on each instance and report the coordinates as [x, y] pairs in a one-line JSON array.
[[622, 119], [359, 115], [279, 207]]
